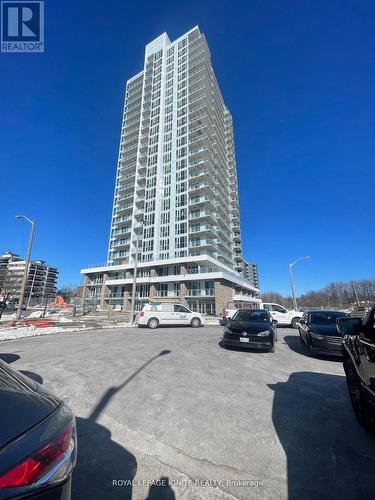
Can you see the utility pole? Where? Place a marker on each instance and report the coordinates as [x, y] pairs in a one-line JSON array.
[[339, 297], [355, 293], [27, 265], [292, 279]]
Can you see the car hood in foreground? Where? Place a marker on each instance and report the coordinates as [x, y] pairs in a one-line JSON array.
[[23, 404], [329, 330], [248, 326]]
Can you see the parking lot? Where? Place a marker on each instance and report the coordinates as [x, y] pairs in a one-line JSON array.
[[173, 404]]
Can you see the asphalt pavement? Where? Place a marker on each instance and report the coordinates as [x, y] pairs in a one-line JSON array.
[[170, 414]]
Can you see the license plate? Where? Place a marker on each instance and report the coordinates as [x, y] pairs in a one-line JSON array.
[[243, 339]]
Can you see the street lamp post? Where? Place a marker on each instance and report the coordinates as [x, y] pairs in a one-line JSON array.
[[26, 271], [32, 288], [292, 279], [134, 287]]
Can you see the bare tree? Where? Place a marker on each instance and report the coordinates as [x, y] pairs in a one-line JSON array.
[[9, 286], [337, 294]]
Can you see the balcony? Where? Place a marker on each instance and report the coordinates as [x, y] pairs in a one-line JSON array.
[[198, 151], [120, 220], [198, 162], [197, 128], [200, 186], [201, 214], [114, 296], [121, 231], [121, 243], [208, 292], [119, 209], [120, 199], [195, 111], [203, 228], [197, 200], [203, 242], [199, 174], [167, 294], [138, 214]]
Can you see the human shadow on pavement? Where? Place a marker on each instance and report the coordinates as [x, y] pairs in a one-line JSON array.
[[102, 463], [329, 455], [161, 491], [104, 469], [9, 357]]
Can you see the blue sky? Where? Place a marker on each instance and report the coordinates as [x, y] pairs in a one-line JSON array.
[[299, 79]]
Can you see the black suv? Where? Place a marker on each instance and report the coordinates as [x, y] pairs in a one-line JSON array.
[[359, 365]]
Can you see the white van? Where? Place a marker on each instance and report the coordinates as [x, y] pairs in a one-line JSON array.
[[154, 314]]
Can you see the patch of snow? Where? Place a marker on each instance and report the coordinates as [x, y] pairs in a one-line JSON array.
[[35, 314], [31, 331], [63, 319], [7, 317]]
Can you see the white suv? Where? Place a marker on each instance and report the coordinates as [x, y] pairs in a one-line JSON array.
[[167, 313]]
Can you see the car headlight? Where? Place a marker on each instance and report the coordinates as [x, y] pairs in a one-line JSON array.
[[264, 334], [316, 336]]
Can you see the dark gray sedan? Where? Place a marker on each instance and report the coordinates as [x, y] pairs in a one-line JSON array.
[[38, 446], [319, 331]]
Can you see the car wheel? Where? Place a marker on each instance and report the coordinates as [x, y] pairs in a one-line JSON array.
[[153, 323], [295, 322], [360, 405], [195, 322]]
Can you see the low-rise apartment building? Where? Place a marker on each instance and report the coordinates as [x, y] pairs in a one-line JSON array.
[[41, 279]]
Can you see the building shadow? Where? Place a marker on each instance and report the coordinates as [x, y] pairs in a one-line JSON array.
[[161, 491], [329, 456], [9, 357]]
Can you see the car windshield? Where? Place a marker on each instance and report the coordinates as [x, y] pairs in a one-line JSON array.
[[249, 315], [326, 318]]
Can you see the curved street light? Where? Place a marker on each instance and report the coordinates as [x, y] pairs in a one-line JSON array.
[[26, 271], [292, 279]]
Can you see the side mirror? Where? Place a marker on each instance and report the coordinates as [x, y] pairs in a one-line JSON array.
[[302, 321], [349, 326], [274, 321], [224, 321]]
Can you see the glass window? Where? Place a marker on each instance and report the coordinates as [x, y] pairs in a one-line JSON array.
[[251, 315], [178, 308], [278, 309], [326, 317]]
